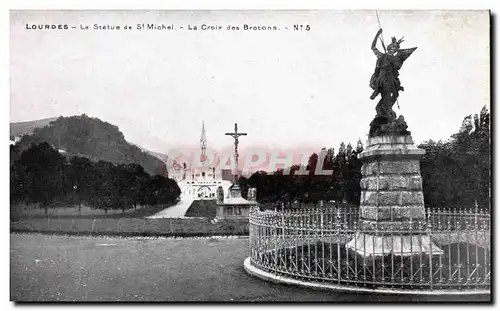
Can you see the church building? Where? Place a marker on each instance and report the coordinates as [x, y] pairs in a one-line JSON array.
[[200, 182]]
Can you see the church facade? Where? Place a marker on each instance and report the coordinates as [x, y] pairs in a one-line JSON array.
[[200, 182]]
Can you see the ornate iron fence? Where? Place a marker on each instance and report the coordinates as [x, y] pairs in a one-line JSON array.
[[451, 249]]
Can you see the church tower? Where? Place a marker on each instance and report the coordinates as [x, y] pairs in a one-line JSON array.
[[203, 143]]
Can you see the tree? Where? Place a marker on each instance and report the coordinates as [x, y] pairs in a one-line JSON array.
[[161, 190], [40, 171], [353, 175], [243, 181], [456, 173], [312, 163], [81, 174], [15, 154], [260, 181], [40, 174], [342, 184], [442, 180], [102, 190], [138, 182]]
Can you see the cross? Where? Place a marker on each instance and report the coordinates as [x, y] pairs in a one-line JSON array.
[[235, 135]]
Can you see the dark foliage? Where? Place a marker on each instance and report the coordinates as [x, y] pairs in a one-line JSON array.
[[457, 173], [40, 174], [342, 185]]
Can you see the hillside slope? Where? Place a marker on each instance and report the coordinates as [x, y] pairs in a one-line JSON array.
[[94, 139], [27, 127]]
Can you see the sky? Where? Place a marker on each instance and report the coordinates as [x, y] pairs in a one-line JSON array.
[[285, 88]]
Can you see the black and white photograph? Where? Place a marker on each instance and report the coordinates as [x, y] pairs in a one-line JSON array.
[[237, 156]]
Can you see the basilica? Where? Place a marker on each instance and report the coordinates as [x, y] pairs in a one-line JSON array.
[[200, 182]]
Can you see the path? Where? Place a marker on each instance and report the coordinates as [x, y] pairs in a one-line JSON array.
[[178, 210], [65, 268], [175, 211]]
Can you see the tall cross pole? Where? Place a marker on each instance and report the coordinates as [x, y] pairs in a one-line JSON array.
[[235, 135]]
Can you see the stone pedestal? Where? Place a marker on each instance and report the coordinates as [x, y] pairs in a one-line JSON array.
[[392, 212]]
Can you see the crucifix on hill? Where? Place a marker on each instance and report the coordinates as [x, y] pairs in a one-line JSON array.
[[235, 135]]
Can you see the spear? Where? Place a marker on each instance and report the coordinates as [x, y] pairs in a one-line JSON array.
[[381, 37]]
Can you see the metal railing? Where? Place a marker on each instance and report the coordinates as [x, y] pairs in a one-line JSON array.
[[449, 250]]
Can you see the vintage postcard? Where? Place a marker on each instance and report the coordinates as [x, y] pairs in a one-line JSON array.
[[250, 155]]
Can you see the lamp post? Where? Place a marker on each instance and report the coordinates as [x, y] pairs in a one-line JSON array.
[[75, 187]]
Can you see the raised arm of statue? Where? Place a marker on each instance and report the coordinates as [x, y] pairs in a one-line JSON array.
[[374, 44]]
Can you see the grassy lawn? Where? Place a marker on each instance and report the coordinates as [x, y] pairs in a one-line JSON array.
[[62, 268], [31, 211], [202, 208]]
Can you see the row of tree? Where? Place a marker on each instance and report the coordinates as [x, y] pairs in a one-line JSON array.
[[42, 175], [456, 173], [343, 185]]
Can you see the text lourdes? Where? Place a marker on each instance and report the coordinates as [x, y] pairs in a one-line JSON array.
[[47, 26]]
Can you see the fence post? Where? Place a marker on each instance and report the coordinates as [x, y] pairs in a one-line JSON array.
[[283, 245], [429, 236], [283, 227], [275, 234], [171, 227], [322, 223], [93, 225], [475, 214]]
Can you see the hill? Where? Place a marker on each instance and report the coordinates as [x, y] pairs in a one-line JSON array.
[[27, 127], [94, 139], [161, 156]]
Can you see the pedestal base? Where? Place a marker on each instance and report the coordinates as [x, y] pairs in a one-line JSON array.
[[402, 245]]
